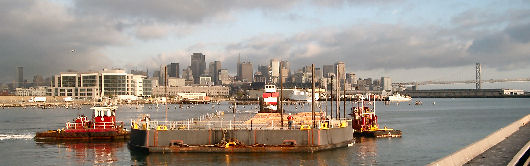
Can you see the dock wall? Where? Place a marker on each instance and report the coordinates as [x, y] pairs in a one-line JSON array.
[[160, 138], [459, 93], [469, 152]]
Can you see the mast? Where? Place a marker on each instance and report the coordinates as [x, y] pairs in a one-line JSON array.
[[331, 98], [313, 94], [281, 97], [165, 87], [337, 86], [344, 108]]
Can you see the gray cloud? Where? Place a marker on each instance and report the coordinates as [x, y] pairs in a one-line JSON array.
[[175, 11], [40, 35]]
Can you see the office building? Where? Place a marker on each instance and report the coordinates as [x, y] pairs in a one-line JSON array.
[[214, 68], [246, 72], [20, 77], [327, 70], [91, 85], [386, 83], [198, 66], [173, 70]]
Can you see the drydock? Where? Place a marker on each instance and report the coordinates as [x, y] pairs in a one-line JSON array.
[[261, 132]]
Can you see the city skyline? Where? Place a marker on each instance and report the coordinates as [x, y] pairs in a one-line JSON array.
[[434, 40]]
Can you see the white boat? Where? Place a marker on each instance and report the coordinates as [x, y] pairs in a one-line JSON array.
[[300, 95], [399, 98]]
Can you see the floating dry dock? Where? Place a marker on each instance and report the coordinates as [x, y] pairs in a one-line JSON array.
[[261, 133]]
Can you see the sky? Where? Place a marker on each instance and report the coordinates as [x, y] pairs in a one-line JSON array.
[[402, 39]]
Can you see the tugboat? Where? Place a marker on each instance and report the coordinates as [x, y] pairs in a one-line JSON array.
[[269, 102], [102, 126], [365, 122]]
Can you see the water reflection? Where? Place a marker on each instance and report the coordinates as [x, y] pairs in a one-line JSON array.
[[93, 152], [363, 152]]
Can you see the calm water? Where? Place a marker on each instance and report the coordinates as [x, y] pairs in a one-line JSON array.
[[430, 131]]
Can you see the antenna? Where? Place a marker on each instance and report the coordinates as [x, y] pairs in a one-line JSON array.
[[478, 71]]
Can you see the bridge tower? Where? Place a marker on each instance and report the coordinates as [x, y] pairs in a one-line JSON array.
[[477, 76]]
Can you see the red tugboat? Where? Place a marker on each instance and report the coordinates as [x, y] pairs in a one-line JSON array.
[[102, 126], [365, 122], [269, 102]]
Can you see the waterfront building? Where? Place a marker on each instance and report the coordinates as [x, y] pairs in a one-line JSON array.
[[198, 66], [32, 91], [90, 85], [209, 90], [173, 70]]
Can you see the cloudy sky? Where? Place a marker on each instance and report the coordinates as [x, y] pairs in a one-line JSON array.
[[406, 40]]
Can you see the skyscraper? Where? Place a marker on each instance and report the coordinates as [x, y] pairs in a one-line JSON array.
[[386, 83], [198, 65], [246, 72], [327, 69], [173, 70], [340, 70], [286, 65], [275, 70], [214, 68], [20, 78]]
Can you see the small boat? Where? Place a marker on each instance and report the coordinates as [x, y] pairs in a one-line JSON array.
[[365, 123], [399, 98], [102, 126]]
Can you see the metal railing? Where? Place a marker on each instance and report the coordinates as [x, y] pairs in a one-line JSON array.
[[236, 125], [104, 125]]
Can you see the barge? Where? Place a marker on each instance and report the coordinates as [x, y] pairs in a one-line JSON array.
[[102, 126], [258, 134]]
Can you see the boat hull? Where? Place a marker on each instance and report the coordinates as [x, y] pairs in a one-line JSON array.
[[85, 134]]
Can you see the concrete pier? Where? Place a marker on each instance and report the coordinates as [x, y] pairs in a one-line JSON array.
[[506, 150], [498, 148]]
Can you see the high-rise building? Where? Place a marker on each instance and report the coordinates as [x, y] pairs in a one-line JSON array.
[[275, 68], [162, 76], [20, 78], [173, 70], [264, 70], [351, 78], [327, 70], [246, 72], [187, 74], [214, 68], [224, 78], [286, 65], [340, 70], [386, 83], [198, 66], [318, 73]]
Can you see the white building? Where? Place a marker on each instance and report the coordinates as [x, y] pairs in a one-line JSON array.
[[90, 85]]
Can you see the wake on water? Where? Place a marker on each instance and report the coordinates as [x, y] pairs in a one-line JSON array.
[[15, 136]]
